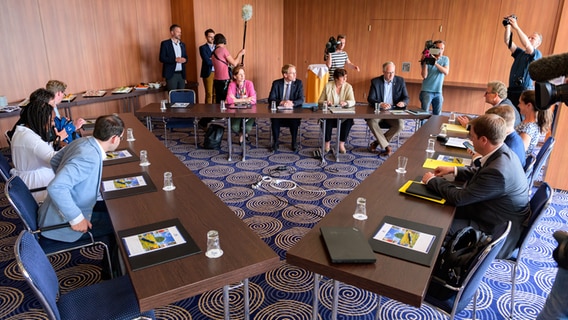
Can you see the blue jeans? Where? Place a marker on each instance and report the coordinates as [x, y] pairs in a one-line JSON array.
[[434, 98], [556, 305]]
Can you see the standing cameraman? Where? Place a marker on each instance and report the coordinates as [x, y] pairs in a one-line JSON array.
[[519, 78], [433, 75], [339, 59]]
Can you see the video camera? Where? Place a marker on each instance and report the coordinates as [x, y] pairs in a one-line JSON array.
[[506, 20], [547, 94], [430, 50], [330, 46]]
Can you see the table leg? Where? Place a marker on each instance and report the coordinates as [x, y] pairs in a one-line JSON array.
[[315, 298], [226, 302], [378, 315], [337, 146], [229, 139], [149, 123], [244, 144], [335, 300], [246, 298], [323, 162]]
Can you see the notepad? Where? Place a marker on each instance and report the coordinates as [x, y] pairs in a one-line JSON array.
[[456, 130], [347, 245], [420, 190], [342, 110]]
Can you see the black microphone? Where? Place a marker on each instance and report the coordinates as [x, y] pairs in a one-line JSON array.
[[549, 68]]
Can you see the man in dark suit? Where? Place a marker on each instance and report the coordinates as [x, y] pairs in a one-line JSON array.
[[388, 91], [173, 56], [494, 193], [288, 93], [207, 74]]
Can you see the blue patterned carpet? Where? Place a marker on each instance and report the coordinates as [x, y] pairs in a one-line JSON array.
[[295, 193]]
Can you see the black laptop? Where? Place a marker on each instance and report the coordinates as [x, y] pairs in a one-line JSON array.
[[347, 245]]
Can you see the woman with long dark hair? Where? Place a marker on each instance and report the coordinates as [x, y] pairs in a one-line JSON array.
[[30, 146]]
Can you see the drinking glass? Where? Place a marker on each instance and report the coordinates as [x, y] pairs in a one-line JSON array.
[[361, 209], [431, 144], [223, 106], [273, 106], [402, 161], [168, 181], [452, 118], [129, 135], [213, 245], [144, 158], [163, 105]]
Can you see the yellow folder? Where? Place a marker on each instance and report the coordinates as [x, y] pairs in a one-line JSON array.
[[408, 183]]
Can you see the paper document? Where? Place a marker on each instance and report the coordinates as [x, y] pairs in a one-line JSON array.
[[457, 142], [153, 240], [404, 237]]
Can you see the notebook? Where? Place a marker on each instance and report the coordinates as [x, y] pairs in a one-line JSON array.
[[347, 245]]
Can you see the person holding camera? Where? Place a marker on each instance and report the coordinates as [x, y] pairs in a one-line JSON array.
[[556, 305], [519, 78], [338, 59], [433, 74]]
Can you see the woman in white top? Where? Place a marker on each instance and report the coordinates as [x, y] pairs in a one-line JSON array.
[[31, 151]]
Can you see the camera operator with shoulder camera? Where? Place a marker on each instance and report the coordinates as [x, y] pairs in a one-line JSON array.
[[435, 67], [556, 305], [519, 78], [335, 57]]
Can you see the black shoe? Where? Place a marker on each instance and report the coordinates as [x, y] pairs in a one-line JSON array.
[[294, 147], [275, 147]]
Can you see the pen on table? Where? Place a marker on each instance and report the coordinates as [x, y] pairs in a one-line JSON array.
[[149, 241]]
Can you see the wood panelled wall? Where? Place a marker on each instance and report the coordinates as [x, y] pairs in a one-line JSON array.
[[106, 43]]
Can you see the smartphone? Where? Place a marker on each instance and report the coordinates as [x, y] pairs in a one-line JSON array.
[[468, 145]]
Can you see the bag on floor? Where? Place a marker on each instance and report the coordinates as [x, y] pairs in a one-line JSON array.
[[213, 137], [458, 254]]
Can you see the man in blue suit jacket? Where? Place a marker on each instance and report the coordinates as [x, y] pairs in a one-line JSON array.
[[72, 194], [495, 192], [173, 56], [388, 91], [294, 98], [207, 72]]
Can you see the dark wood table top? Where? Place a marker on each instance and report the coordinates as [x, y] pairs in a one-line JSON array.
[[199, 210], [263, 111], [392, 277]]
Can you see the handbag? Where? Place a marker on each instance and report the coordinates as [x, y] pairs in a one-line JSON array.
[[213, 137], [67, 125]]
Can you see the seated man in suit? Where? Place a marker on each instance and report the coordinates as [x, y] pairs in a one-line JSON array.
[[388, 91], [288, 93], [513, 139], [72, 194], [495, 95], [494, 193]]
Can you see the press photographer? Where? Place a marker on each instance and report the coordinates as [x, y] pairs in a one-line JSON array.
[[523, 54], [435, 67], [338, 58], [330, 47], [556, 306]]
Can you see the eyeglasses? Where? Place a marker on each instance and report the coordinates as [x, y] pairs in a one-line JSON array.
[[486, 93]]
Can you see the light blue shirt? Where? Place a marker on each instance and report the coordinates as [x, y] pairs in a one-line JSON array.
[[177, 50], [388, 93], [435, 79]]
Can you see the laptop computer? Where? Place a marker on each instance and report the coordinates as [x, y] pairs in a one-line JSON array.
[[240, 106], [347, 245]]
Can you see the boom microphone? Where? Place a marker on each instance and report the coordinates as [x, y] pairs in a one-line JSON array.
[[548, 68]]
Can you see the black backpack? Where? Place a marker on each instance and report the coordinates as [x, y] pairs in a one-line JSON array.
[[213, 137], [458, 254]]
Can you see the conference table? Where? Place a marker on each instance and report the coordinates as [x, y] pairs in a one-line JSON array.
[[198, 210], [392, 277], [153, 110]]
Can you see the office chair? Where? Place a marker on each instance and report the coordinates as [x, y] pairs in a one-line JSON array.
[[5, 168], [452, 300], [541, 159], [538, 203], [112, 299], [182, 96], [529, 167], [26, 208]]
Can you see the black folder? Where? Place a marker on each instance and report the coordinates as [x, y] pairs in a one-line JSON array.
[[347, 245], [420, 189]]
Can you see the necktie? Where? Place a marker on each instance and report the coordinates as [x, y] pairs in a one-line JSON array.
[[287, 92]]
